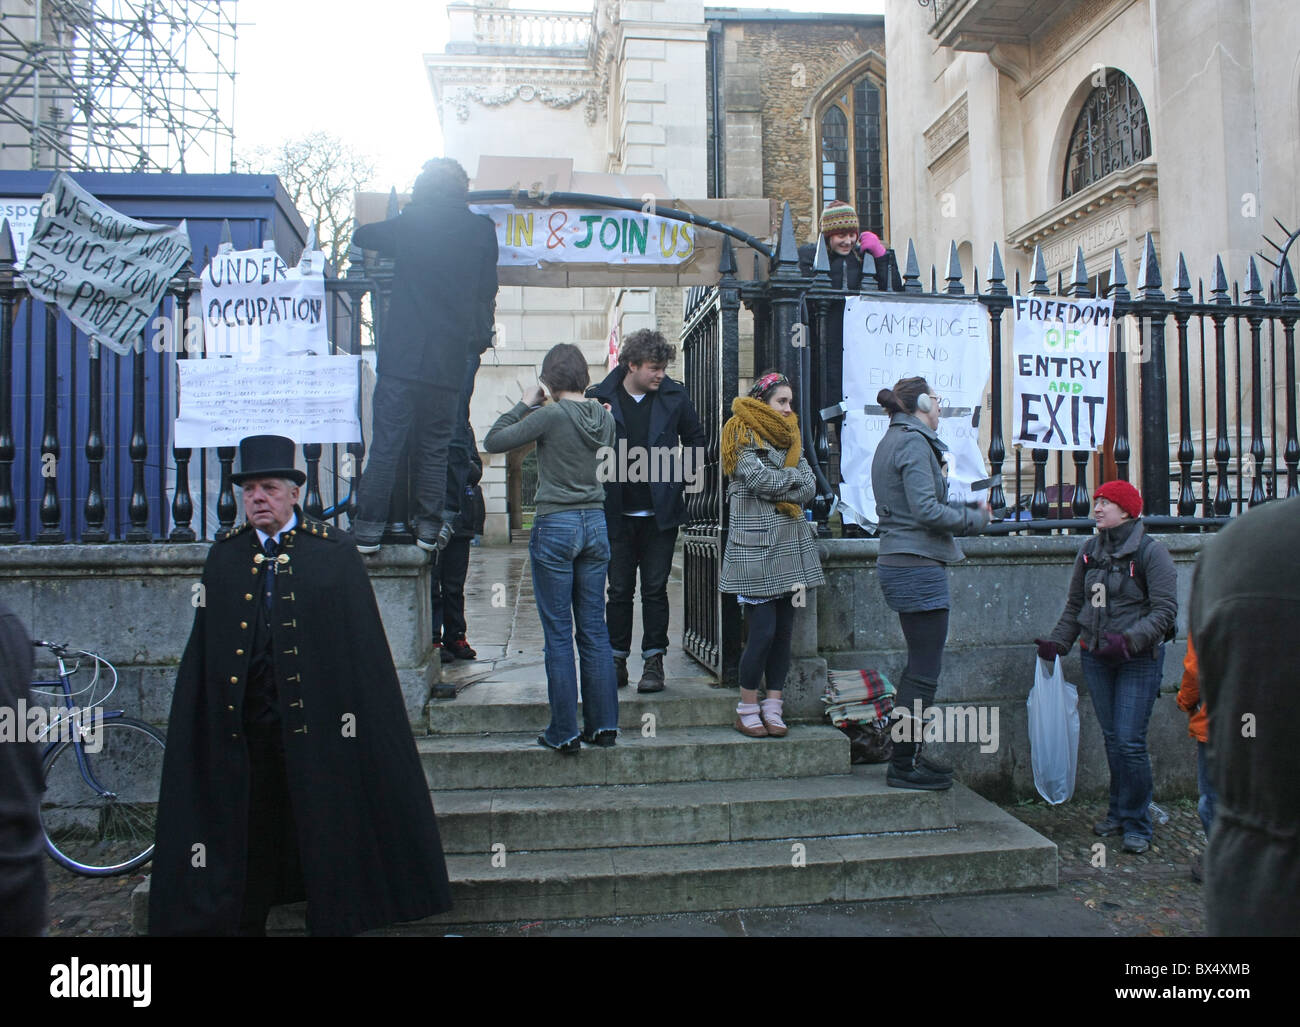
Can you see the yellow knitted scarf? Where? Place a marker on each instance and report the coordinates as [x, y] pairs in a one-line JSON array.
[[753, 417]]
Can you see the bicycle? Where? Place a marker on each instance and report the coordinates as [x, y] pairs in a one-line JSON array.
[[101, 778]]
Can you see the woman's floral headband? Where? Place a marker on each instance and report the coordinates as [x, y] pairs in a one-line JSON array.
[[768, 381]]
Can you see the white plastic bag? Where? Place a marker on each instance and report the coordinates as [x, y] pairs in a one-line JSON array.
[[1053, 732]]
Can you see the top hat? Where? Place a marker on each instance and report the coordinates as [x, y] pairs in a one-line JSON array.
[[267, 456]]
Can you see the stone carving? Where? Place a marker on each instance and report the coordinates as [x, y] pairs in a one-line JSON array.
[[559, 98], [948, 130], [1100, 232], [1074, 22]]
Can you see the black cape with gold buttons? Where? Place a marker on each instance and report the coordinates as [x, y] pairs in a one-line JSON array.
[[368, 840]]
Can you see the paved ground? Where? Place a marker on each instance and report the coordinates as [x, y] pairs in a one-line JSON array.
[[1103, 892]]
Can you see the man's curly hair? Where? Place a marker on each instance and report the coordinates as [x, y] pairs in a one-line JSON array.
[[646, 346], [441, 178]]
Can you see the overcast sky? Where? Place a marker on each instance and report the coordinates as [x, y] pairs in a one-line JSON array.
[[357, 70]]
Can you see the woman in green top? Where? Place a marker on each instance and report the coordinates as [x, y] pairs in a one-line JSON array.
[[569, 547]]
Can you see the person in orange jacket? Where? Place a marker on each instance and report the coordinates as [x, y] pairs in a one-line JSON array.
[[1198, 726]]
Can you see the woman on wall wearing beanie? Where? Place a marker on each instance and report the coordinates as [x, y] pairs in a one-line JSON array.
[[771, 559], [1122, 605], [917, 525]]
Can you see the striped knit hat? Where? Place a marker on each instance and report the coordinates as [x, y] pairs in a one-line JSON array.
[[839, 217]]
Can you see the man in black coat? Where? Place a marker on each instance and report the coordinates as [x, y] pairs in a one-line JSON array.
[[290, 770], [645, 482], [439, 319]]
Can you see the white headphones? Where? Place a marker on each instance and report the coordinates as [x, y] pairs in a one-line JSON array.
[[924, 403]]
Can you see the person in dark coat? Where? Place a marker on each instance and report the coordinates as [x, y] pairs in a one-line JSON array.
[[291, 769], [447, 582], [1244, 608], [645, 494], [439, 319], [22, 841]]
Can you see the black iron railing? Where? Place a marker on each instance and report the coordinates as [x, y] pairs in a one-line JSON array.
[[86, 450]]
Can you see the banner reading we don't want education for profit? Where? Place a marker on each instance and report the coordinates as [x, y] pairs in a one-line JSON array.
[[104, 270]]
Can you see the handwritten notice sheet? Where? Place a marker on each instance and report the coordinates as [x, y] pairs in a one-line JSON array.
[[1062, 372], [104, 270], [307, 399], [254, 302], [947, 343]]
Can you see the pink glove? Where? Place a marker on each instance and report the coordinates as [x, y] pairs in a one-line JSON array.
[[870, 243]]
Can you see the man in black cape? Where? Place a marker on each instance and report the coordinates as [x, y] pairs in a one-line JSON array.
[[291, 770]]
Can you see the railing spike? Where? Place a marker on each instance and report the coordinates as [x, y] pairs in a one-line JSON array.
[[1183, 288], [1219, 291], [1149, 280], [822, 261], [226, 243], [1288, 289], [392, 202], [1078, 275], [1038, 281], [1254, 284], [727, 260], [997, 273], [953, 275], [7, 252], [912, 274]]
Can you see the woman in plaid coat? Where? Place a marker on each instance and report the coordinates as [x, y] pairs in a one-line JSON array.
[[771, 558]]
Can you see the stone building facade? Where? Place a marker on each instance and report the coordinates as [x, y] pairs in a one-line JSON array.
[[645, 88]]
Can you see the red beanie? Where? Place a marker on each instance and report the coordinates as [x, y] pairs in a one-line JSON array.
[[1123, 495]]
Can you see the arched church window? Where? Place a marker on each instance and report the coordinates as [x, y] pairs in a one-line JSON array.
[[1110, 133], [852, 153]]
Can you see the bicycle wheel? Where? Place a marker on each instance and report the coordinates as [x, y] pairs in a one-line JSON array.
[[105, 830]]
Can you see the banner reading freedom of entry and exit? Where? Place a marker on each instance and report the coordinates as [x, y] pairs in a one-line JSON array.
[[255, 303], [945, 342], [104, 270], [528, 236], [1060, 373]]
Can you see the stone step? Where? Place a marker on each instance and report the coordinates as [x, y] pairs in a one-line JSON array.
[[509, 706], [533, 819], [986, 851], [453, 762]]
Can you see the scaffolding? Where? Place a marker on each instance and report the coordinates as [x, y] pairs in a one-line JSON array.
[[117, 85]]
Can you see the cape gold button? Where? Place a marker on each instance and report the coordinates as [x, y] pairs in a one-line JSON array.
[[239, 652], [234, 681], [244, 624], [248, 595]]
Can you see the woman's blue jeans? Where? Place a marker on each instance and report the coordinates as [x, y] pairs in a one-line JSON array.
[[569, 553], [1123, 695]]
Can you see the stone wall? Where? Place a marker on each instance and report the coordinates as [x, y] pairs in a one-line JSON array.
[[134, 605], [1006, 592]]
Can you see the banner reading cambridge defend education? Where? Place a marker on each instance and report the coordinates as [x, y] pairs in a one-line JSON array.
[[530, 236], [1060, 375], [104, 270], [945, 342]]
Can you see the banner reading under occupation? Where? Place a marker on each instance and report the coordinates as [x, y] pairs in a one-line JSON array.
[[528, 237], [307, 399], [946, 343], [1060, 377], [104, 270], [256, 304]]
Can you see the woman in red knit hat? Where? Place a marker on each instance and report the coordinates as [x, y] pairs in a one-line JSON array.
[[1122, 605]]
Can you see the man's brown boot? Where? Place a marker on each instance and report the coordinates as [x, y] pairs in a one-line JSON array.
[[652, 677]]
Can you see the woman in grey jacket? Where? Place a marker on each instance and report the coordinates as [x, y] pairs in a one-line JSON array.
[[917, 525], [1122, 604], [771, 560]]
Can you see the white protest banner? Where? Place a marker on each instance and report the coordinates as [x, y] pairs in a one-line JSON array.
[[307, 399], [21, 213], [104, 270], [944, 341], [1060, 372], [528, 236], [255, 304]]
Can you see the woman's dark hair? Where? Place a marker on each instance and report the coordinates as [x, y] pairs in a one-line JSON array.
[[442, 178], [901, 399], [646, 346], [779, 380], [564, 369]]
